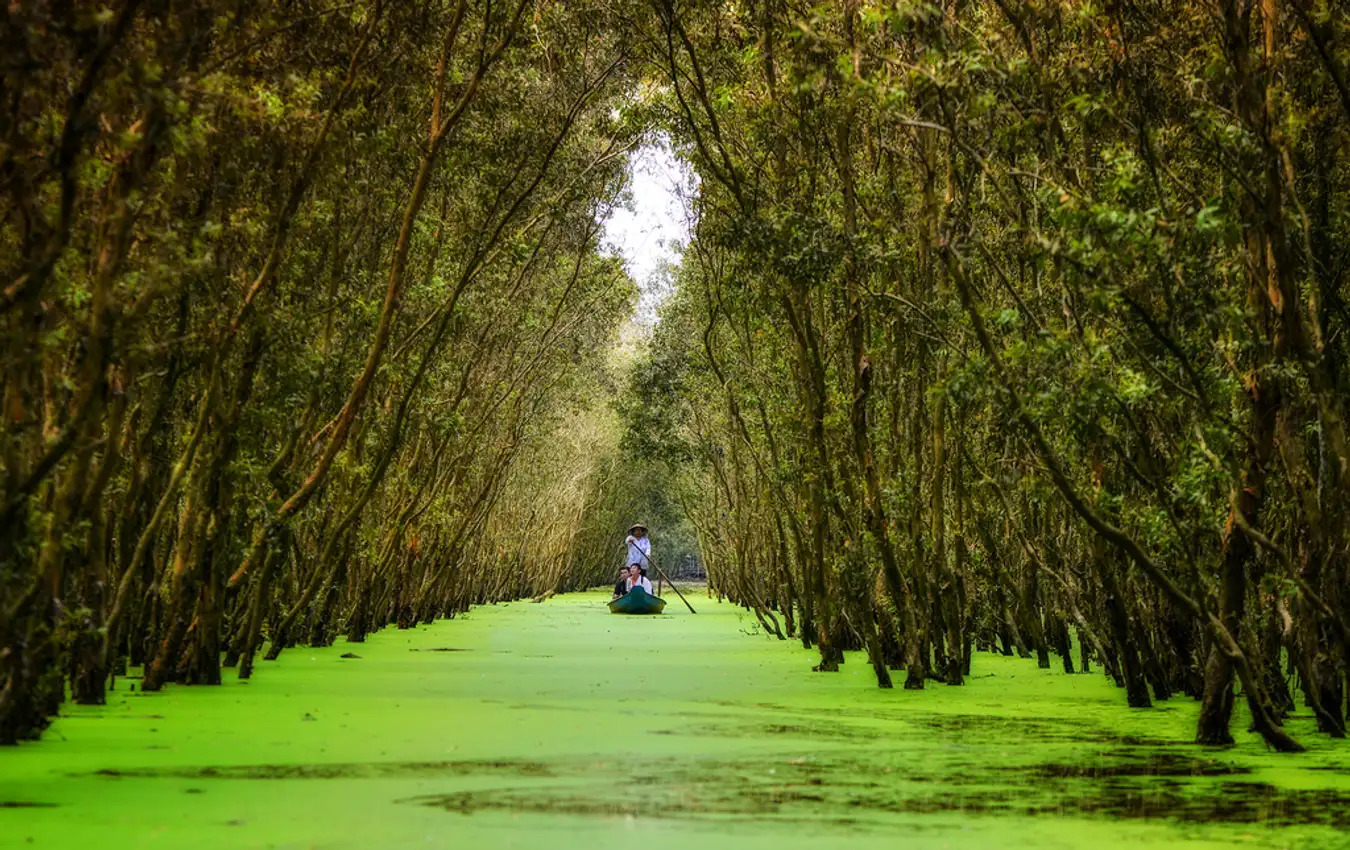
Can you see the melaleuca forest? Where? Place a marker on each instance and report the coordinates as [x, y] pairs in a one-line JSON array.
[[606, 423]]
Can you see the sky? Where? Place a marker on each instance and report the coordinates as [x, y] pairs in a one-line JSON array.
[[649, 230]]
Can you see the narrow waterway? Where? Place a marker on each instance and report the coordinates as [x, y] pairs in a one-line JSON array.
[[558, 725]]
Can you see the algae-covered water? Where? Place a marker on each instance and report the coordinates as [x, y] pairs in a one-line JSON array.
[[558, 725]]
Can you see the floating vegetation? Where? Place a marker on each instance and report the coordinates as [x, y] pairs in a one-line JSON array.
[[413, 743]]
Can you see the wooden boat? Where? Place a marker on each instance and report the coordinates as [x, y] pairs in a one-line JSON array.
[[637, 601]]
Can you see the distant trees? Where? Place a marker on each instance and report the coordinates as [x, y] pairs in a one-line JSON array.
[[1010, 321]]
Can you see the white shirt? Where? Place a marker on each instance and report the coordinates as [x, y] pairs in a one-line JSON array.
[[642, 582], [639, 551]]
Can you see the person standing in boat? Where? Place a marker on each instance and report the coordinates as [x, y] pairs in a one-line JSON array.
[[639, 555]]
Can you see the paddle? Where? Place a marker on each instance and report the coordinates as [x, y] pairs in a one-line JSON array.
[[671, 581]]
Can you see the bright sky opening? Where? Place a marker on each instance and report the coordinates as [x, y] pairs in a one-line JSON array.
[[651, 227]]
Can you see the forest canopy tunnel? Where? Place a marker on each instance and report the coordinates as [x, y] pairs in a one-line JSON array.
[[1002, 326]]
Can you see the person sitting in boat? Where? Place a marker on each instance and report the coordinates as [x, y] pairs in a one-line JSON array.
[[621, 586], [637, 578]]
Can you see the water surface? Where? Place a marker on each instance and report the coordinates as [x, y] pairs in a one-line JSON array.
[[559, 725]]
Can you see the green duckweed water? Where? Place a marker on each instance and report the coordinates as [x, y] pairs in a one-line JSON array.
[[559, 725]]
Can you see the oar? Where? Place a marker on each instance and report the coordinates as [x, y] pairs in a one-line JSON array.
[[648, 559]]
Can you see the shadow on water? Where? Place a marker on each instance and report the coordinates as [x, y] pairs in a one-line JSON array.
[[16, 804], [348, 770], [840, 787], [844, 790], [1134, 764], [831, 722]]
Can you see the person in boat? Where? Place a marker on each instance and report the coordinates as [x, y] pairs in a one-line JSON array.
[[637, 578], [621, 586], [639, 548]]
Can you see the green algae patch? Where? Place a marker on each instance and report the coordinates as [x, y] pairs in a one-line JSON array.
[[559, 724]]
